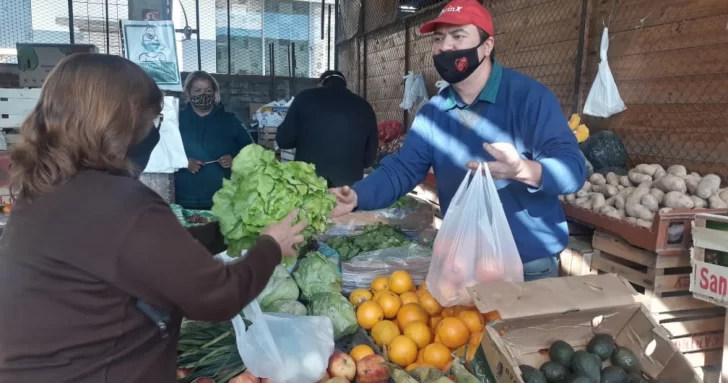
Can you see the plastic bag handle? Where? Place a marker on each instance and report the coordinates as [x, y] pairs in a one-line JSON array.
[[254, 313], [483, 183]]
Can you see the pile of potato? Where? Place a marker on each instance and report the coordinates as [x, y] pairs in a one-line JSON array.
[[647, 189]]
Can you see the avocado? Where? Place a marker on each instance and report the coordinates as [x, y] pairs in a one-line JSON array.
[[587, 364], [578, 378], [623, 357], [613, 374], [554, 372], [635, 377], [561, 353], [531, 375], [602, 345]]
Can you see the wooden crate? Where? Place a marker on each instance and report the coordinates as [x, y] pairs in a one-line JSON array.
[[267, 143], [268, 133], [15, 105], [576, 259], [696, 327]]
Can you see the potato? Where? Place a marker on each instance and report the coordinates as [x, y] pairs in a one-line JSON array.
[[665, 210], [621, 199], [598, 202], [580, 200], [659, 173], [670, 183], [646, 169], [638, 178], [715, 202], [643, 223], [632, 220], [606, 190], [638, 211], [698, 202], [677, 200], [636, 196], [570, 198], [723, 194], [691, 182], [707, 186], [586, 203], [612, 179], [658, 194], [610, 211], [610, 201], [650, 202], [624, 181], [621, 187], [677, 170], [597, 179]]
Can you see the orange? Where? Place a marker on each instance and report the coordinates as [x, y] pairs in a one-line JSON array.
[[402, 351], [448, 312], [434, 321], [491, 316], [419, 332], [437, 338], [390, 304], [383, 332], [400, 282], [446, 290], [418, 364], [437, 355], [360, 296], [422, 288], [429, 303], [459, 309], [380, 283], [360, 351], [453, 332], [448, 366], [379, 293], [420, 355], [409, 297], [473, 320], [471, 350], [411, 312], [368, 314], [476, 339]]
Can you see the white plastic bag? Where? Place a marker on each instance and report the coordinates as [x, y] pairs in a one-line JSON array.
[[415, 92], [284, 348], [474, 245], [603, 99], [169, 154], [272, 114]]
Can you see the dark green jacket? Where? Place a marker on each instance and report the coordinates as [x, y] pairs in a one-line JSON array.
[[207, 139]]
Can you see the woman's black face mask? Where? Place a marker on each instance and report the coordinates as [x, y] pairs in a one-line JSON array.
[[140, 153], [456, 66]]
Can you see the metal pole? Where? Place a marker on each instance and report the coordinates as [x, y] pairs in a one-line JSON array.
[[106, 5], [337, 31], [323, 17], [328, 42], [197, 22], [72, 35], [230, 60]]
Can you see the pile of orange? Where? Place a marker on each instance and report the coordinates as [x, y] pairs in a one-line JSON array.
[[413, 327]]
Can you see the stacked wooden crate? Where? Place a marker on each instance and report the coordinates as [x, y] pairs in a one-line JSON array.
[[15, 105], [267, 137], [696, 327]]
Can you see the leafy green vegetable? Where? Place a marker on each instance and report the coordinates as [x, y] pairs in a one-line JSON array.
[[337, 308], [287, 307], [375, 237], [262, 191], [405, 203], [280, 287], [316, 274]]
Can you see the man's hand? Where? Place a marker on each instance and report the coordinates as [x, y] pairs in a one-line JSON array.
[[194, 165], [508, 164], [226, 161], [346, 201]]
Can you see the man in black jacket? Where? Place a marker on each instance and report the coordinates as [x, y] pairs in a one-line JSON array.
[[333, 129]]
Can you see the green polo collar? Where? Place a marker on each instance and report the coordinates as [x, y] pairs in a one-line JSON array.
[[488, 94]]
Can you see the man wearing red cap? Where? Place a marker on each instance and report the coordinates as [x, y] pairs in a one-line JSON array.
[[488, 114]]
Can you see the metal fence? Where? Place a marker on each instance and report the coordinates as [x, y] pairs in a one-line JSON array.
[[247, 37], [670, 63]]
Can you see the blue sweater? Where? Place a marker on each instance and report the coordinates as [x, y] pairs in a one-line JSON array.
[[207, 139], [513, 108]]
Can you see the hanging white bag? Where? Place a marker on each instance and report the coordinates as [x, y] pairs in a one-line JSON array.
[[603, 99], [474, 245]]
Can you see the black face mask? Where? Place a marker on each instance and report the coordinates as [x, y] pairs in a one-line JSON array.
[[456, 66], [140, 153]]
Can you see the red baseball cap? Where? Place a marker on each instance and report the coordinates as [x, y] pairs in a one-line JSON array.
[[462, 12]]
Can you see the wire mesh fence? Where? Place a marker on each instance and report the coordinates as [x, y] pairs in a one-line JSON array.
[[248, 37], [670, 64]]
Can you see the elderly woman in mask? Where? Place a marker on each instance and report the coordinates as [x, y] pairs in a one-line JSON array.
[[211, 137]]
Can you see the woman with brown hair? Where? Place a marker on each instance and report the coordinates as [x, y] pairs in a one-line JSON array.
[[90, 254]]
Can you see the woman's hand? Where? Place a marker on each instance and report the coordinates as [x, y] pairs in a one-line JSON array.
[[226, 161], [286, 235], [194, 165]]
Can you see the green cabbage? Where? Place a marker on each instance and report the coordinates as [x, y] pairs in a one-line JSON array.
[[287, 307], [316, 274], [262, 191], [280, 287], [337, 308]]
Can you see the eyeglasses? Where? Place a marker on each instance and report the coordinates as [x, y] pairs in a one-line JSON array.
[[158, 121]]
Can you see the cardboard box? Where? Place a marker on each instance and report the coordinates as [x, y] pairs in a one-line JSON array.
[[37, 60], [572, 309], [709, 281]]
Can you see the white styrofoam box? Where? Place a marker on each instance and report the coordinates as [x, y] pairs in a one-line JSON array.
[[288, 154], [15, 105]]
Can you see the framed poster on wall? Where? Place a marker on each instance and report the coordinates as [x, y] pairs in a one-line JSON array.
[[152, 46]]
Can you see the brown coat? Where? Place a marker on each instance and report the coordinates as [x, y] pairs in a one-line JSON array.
[[73, 264]]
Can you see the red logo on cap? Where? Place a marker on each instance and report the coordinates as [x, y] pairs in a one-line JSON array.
[[461, 64]]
